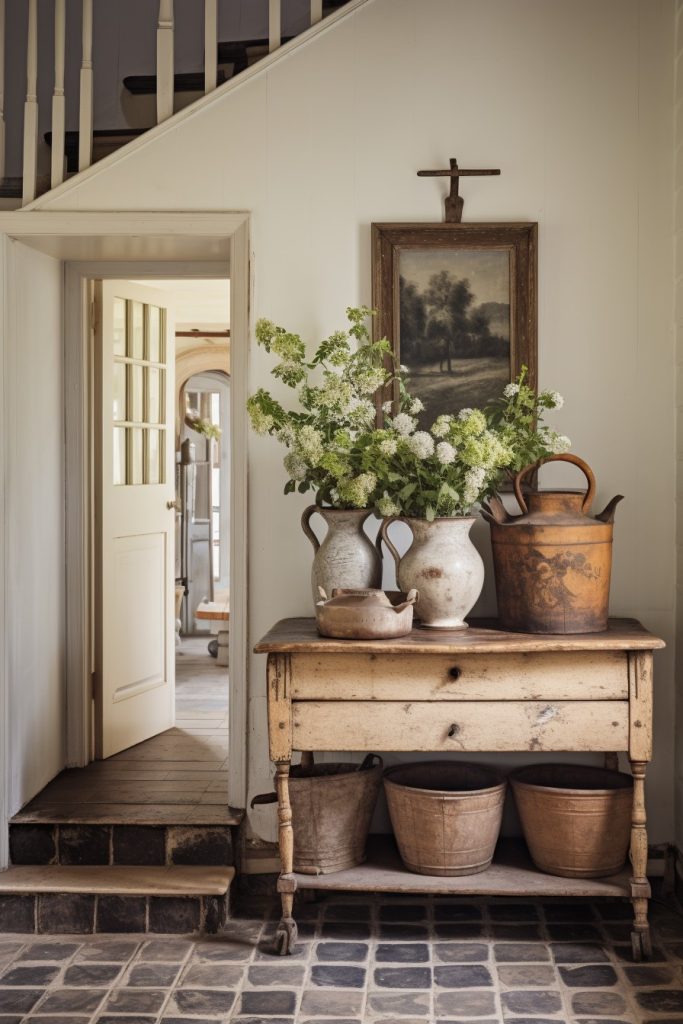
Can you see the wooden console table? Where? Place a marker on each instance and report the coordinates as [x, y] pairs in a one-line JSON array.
[[458, 692]]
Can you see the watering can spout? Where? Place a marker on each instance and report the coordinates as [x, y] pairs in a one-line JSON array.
[[494, 510], [607, 515]]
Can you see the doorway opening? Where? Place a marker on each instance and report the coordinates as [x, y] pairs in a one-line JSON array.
[[161, 568]]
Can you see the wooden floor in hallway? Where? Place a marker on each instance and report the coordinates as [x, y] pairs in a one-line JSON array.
[[176, 778]]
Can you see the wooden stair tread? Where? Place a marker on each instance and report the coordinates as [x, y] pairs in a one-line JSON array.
[[190, 81], [174, 880], [206, 815]]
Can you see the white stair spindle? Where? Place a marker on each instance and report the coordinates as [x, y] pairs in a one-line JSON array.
[[31, 106], [86, 91], [58, 111], [274, 24], [165, 61], [316, 11], [210, 45]]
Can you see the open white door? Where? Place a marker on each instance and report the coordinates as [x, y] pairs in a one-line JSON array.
[[135, 521]]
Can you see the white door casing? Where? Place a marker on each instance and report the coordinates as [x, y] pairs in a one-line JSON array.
[[135, 521]]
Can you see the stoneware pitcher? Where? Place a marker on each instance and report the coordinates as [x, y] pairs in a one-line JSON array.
[[443, 565], [347, 559]]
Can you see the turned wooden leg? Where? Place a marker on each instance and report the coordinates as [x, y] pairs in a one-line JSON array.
[[640, 887], [286, 934]]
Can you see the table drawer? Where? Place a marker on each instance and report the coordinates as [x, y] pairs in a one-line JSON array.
[[460, 726], [582, 675]]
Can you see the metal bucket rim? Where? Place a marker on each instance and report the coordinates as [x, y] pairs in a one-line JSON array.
[[492, 772], [348, 769], [517, 780]]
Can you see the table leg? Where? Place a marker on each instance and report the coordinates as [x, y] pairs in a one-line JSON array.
[[640, 887], [286, 934]]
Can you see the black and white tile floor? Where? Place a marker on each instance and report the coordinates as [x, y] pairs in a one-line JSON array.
[[360, 959]]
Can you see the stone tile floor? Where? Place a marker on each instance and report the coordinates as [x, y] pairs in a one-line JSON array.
[[360, 959]]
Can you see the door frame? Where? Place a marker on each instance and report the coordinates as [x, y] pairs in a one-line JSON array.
[[120, 235], [79, 511]]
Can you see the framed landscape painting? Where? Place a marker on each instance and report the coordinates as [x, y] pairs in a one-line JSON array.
[[458, 302]]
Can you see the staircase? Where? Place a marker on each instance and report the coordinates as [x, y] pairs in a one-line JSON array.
[[150, 98]]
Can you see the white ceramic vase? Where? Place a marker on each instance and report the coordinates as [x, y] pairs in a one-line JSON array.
[[443, 565], [346, 558]]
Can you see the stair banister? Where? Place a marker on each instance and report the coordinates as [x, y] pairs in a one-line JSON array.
[[165, 60], [210, 45], [86, 91], [58, 110], [274, 24], [2, 89], [316, 11], [31, 106]]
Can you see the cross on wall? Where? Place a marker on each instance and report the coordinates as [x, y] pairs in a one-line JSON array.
[[454, 202]]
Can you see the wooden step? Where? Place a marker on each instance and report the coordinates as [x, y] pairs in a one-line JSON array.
[[193, 81], [57, 900], [105, 141], [11, 188]]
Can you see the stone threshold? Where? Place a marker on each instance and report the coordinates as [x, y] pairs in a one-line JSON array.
[[175, 880]]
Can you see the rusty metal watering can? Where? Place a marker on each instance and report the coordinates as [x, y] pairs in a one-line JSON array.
[[553, 562]]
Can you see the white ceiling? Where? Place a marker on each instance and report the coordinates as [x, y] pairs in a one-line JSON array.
[[196, 302]]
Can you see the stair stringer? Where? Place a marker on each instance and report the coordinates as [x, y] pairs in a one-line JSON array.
[[203, 103]]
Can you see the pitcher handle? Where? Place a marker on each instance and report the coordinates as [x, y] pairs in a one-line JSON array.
[[306, 526], [384, 535], [567, 457]]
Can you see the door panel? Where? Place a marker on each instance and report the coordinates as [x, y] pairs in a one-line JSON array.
[[134, 413]]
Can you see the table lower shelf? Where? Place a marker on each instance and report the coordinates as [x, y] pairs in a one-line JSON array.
[[511, 874]]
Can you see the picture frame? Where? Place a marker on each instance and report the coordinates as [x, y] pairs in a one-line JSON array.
[[459, 304]]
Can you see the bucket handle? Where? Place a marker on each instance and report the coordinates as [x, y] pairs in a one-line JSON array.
[[567, 457], [370, 761], [384, 535]]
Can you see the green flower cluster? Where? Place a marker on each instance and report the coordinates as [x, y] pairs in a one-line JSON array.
[[518, 419], [335, 392]]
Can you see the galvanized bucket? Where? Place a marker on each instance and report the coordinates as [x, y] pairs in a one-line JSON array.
[[446, 815], [576, 818], [332, 806]]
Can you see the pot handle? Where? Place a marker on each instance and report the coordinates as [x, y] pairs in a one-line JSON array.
[[384, 535], [568, 457], [306, 526]]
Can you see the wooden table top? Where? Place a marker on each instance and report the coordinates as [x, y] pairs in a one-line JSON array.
[[300, 636]]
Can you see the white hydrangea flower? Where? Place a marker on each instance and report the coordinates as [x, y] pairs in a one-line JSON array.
[[387, 407], [510, 390], [441, 425], [386, 506], [388, 446], [445, 453], [287, 434], [356, 491], [559, 443], [421, 444], [474, 481], [295, 466], [403, 368], [416, 407], [557, 399], [464, 414], [309, 443], [404, 424], [261, 421], [361, 411]]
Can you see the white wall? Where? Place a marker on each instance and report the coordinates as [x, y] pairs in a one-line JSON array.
[[34, 505], [573, 101]]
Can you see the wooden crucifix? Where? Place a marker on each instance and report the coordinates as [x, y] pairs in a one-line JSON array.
[[454, 202]]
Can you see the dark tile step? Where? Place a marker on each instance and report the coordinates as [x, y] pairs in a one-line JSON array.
[[68, 843], [82, 900], [146, 85]]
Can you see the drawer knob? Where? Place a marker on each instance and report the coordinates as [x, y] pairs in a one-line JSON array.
[[455, 672], [454, 730]]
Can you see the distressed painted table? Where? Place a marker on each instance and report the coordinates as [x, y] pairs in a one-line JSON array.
[[442, 691]]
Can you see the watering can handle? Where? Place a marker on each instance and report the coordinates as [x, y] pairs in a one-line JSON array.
[[306, 526], [575, 460], [384, 535]]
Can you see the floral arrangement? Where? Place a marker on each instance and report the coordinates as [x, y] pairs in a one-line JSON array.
[[336, 390], [334, 448], [202, 425], [447, 470]]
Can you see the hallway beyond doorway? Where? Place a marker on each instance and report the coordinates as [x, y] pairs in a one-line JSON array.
[[176, 778]]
